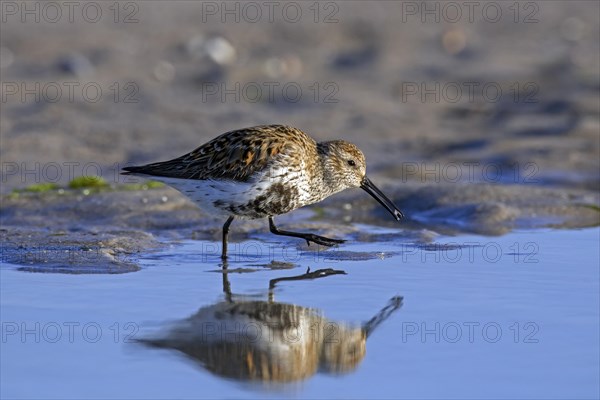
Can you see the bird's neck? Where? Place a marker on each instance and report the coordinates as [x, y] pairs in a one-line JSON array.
[[325, 173]]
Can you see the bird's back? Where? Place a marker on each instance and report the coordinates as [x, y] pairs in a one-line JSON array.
[[235, 155]]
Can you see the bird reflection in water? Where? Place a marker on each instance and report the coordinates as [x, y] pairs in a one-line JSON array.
[[267, 341]]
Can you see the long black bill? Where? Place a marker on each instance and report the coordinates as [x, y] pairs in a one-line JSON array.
[[394, 304], [378, 195]]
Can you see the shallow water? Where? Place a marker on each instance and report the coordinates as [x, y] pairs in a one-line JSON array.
[[510, 316]]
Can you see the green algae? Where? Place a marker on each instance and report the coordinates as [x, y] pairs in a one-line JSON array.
[[88, 182]]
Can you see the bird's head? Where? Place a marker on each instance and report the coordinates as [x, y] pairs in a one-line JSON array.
[[345, 167]]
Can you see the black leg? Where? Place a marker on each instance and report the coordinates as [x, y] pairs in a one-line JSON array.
[[225, 233], [309, 237], [321, 273], [307, 275], [227, 288]]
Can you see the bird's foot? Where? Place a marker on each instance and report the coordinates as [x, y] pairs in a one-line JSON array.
[[322, 240]]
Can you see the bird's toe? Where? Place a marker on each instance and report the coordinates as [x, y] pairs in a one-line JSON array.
[[324, 241]]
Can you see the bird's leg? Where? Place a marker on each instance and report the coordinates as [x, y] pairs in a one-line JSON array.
[[227, 288], [320, 273], [309, 237], [225, 233]]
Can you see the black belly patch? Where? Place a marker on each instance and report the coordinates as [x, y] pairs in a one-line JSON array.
[[277, 199]]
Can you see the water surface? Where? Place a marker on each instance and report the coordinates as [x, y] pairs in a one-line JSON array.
[[510, 316]]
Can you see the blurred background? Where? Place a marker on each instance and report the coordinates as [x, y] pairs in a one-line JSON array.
[[175, 74], [433, 92]]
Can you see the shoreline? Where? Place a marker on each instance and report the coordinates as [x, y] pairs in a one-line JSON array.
[[104, 231]]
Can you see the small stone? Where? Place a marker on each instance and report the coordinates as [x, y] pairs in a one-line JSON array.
[[220, 50], [288, 67], [274, 67], [164, 71], [454, 41]]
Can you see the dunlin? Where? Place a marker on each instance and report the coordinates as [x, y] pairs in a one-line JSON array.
[[263, 171], [263, 340]]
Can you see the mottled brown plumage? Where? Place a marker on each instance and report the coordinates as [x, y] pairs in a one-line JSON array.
[[256, 340], [263, 171], [235, 155]]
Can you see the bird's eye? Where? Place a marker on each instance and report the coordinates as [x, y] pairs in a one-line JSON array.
[[352, 163]]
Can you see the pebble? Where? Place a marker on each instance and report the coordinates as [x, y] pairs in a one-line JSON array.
[[217, 49], [454, 41], [283, 67], [164, 71], [220, 50]]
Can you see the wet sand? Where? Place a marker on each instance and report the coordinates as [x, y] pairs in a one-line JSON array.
[[107, 232]]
